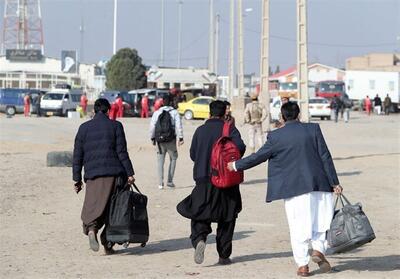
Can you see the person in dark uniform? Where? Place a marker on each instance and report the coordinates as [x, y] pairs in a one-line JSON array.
[[206, 203]]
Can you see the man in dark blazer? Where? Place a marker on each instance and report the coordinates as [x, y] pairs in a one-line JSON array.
[[301, 172], [206, 203], [100, 148]]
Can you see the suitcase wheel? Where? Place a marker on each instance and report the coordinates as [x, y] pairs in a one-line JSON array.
[[143, 244]]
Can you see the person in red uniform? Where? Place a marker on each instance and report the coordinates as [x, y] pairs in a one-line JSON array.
[[27, 105], [113, 110], [145, 106], [368, 105], [84, 102], [158, 103], [120, 104]]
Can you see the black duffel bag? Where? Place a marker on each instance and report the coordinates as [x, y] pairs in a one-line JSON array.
[[350, 227], [127, 219]]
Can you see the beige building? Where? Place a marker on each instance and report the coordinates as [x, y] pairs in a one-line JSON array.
[[374, 62]]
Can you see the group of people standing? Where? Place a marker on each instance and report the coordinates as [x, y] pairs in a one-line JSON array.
[[377, 104], [300, 172], [32, 104]]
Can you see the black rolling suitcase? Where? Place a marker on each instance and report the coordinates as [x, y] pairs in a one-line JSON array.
[[128, 220]]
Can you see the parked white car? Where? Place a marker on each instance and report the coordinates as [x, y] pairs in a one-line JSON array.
[[320, 107], [59, 102], [275, 107]]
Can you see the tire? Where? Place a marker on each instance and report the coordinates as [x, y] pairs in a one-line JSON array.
[[188, 115], [10, 110], [322, 118], [59, 159], [328, 117]]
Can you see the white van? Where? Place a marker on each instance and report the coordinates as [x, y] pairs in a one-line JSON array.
[[59, 102]]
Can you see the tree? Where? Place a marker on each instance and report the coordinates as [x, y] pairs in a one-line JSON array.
[[277, 69], [125, 71]]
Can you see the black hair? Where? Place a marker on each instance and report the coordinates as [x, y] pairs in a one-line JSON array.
[[290, 111], [101, 105], [166, 100], [217, 109], [227, 103]]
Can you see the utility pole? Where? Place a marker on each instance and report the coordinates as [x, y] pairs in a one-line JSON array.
[[241, 51], [231, 63], [162, 35], [302, 63], [211, 39], [81, 31], [264, 61], [115, 28], [180, 3], [216, 49]]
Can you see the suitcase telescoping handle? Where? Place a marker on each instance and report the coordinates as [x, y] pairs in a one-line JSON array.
[[341, 197], [136, 188]]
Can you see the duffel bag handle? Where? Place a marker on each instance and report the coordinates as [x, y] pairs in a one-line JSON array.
[[341, 197], [136, 188]]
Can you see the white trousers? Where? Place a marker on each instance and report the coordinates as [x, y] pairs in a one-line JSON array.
[[309, 217]]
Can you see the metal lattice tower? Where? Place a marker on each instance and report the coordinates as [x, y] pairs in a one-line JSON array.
[[22, 25]]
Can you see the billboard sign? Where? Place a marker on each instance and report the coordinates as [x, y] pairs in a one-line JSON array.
[[24, 55], [69, 61]]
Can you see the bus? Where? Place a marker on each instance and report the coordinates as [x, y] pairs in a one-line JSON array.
[[330, 89]]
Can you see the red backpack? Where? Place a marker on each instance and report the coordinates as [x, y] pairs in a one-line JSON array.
[[223, 152]]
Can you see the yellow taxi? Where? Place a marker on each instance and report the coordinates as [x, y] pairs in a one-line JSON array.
[[196, 108]]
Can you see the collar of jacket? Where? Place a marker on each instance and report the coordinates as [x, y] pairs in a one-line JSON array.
[[215, 120], [100, 115], [292, 122]]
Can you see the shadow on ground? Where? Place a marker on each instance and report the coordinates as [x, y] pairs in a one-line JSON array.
[[364, 156], [349, 173], [176, 244], [383, 263], [254, 181]]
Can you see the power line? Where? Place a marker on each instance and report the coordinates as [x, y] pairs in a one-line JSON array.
[[316, 43]]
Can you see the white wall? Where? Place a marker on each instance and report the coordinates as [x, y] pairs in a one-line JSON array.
[[359, 84], [320, 74]]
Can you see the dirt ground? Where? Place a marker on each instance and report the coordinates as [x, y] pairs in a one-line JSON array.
[[41, 234]]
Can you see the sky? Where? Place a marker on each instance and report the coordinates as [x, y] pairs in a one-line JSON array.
[[337, 29]]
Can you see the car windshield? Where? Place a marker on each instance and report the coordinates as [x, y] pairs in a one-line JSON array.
[[318, 101], [202, 101], [76, 97], [287, 86], [326, 87], [53, 96]]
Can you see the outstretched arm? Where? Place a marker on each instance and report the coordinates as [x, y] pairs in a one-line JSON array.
[[262, 155]]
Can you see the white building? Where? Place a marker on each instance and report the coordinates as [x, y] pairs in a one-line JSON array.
[[46, 73], [359, 84], [316, 72]]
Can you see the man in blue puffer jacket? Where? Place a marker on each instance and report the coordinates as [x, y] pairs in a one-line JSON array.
[[100, 148]]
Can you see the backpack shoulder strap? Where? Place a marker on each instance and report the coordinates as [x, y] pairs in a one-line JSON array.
[[226, 128]]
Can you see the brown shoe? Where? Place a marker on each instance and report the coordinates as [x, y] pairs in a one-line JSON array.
[[319, 258], [303, 271]]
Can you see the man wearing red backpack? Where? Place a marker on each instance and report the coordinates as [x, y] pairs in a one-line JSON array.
[[207, 203]]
